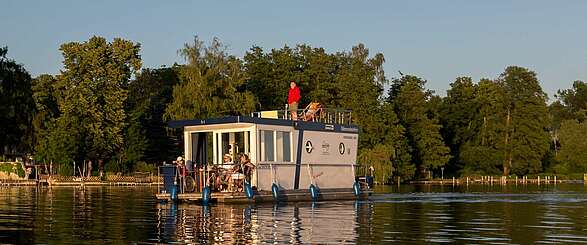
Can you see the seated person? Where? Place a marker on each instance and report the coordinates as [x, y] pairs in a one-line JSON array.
[[311, 111], [224, 171]]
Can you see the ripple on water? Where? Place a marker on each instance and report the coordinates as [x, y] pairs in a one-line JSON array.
[[496, 215]]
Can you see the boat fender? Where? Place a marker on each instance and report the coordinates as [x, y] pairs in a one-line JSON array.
[[173, 193], [357, 188], [206, 195], [314, 192], [249, 191], [275, 191]]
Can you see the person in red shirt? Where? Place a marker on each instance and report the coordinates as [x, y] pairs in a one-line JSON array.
[[293, 99]]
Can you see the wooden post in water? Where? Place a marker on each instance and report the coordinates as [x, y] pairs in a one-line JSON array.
[[516, 180], [491, 180], [538, 179], [555, 179], [467, 180], [453, 180]]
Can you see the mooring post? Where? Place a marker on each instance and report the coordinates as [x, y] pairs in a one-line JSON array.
[[555, 179], [467, 180], [538, 179]]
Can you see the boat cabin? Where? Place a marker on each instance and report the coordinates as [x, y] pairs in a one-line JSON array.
[[290, 153]]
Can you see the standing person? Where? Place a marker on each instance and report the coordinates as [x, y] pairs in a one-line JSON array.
[[247, 166], [293, 100]]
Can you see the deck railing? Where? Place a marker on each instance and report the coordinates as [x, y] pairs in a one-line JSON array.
[[320, 114]]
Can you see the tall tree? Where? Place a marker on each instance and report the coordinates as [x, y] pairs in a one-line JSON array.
[[457, 114], [526, 138], [483, 151], [92, 94], [16, 106], [210, 84], [409, 99], [146, 135], [46, 112]]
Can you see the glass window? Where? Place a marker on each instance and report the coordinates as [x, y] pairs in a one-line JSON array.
[[283, 146], [267, 145], [226, 147]]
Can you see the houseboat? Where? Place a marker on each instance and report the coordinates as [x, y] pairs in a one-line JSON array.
[[266, 156]]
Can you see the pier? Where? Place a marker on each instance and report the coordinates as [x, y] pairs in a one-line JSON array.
[[500, 180]]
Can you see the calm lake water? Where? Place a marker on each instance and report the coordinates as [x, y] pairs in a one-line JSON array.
[[409, 214]]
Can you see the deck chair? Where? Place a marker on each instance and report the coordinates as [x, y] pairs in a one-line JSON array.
[[313, 110]]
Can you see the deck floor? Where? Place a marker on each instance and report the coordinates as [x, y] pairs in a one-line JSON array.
[[266, 196]]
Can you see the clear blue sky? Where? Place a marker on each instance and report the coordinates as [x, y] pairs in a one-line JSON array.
[[436, 40]]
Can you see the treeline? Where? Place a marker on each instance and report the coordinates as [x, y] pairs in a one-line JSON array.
[[103, 106]]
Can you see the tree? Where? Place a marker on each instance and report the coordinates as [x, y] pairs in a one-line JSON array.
[[46, 111], [146, 135], [215, 79], [16, 106], [457, 113], [574, 101], [92, 91], [526, 139], [409, 100], [573, 150], [482, 146], [349, 80]]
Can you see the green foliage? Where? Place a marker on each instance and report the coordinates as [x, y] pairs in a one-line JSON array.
[[210, 83], [572, 157], [410, 100], [81, 112], [65, 169], [16, 168], [94, 110], [574, 101], [115, 166], [149, 95], [93, 91], [145, 168], [16, 106], [351, 80], [527, 121]]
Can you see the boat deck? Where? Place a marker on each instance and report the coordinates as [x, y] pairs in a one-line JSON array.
[[266, 196]]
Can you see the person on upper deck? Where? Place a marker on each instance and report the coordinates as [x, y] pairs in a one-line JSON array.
[[293, 99]]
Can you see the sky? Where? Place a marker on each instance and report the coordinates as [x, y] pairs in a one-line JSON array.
[[435, 40]]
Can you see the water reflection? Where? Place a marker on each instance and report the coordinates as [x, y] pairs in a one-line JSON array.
[[408, 214], [334, 222]]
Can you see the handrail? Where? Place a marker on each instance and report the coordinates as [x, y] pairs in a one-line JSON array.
[[321, 114]]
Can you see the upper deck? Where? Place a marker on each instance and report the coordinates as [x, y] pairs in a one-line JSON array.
[[330, 120]]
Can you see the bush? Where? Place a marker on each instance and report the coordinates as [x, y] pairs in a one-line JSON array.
[[65, 169], [113, 166], [145, 167], [8, 167]]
